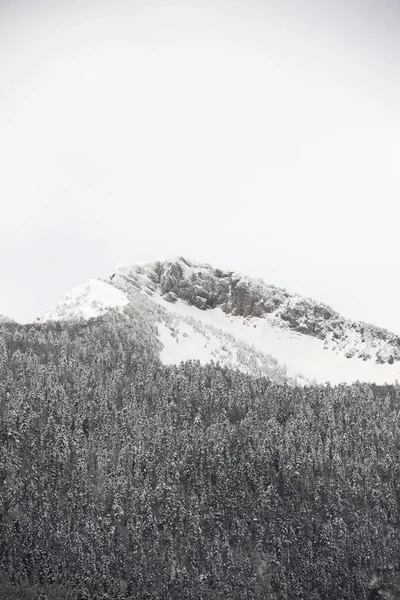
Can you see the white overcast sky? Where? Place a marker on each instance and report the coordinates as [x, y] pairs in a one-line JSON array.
[[258, 136]]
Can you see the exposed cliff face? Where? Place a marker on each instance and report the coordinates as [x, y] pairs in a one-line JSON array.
[[205, 287], [202, 286]]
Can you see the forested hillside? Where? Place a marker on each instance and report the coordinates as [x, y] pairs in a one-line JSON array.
[[122, 478]]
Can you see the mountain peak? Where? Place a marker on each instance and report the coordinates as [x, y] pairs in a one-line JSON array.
[[308, 336]]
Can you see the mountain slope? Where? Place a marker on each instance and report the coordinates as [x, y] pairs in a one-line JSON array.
[[208, 314], [87, 300]]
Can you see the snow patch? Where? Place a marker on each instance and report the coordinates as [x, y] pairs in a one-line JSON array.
[[298, 352]]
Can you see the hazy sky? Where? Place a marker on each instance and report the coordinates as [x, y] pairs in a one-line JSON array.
[[258, 136]]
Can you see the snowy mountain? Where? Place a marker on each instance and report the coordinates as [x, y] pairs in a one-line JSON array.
[[204, 313]]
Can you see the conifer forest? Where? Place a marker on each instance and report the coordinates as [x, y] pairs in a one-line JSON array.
[[122, 478]]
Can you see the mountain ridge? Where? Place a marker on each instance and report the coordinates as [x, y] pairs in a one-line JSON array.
[[234, 303], [252, 297]]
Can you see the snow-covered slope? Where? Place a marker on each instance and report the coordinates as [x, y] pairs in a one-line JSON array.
[[86, 301], [209, 314]]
